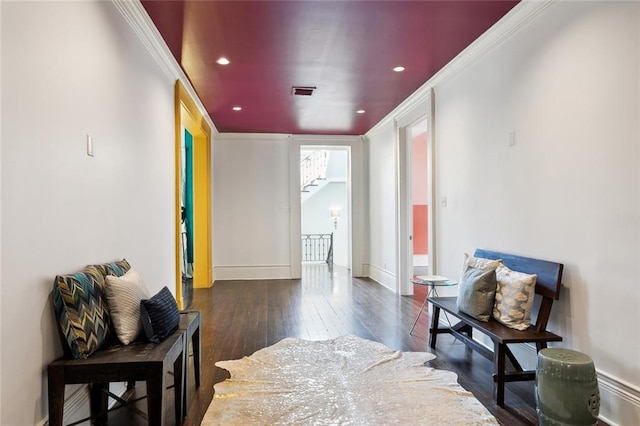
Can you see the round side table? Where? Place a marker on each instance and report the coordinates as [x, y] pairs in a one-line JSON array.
[[433, 282], [566, 388]]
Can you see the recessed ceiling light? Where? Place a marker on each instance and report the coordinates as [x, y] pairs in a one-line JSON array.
[[237, 108], [399, 69], [223, 61], [360, 111]]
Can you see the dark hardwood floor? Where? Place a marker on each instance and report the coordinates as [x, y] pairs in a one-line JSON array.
[[240, 317]]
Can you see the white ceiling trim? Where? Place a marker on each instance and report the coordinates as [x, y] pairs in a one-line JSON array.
[[139, 20], [510, 24]]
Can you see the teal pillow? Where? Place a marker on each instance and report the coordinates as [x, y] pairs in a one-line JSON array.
[[477, 292]]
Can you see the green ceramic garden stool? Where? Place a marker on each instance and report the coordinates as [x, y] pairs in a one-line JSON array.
[[566, 388]]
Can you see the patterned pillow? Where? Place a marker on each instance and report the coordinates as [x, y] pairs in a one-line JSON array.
[[117, 269], [480, 263], [81, 310], [514, 298], [123, 298], [160, 316], [477, 291]]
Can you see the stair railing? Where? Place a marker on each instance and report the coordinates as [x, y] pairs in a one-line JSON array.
[[317, 248], [313, 167]]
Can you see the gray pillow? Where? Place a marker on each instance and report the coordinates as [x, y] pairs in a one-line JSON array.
[[477, 292]]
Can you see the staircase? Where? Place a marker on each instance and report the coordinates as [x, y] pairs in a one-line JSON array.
[[313, 173]]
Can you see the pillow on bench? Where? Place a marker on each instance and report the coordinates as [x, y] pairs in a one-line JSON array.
[[116, 269], [123, 298], [79, 303], [477, 287], [159, 315], [514, 298], [81, 311], [477, 292]]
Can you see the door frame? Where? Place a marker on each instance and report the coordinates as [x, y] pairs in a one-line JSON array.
[[355, 195], [421, 110], [189, 117]]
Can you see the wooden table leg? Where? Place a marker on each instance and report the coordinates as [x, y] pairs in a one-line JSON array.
[[499, 365], [178, 386], [195, 341], [99, 402], [156, 385], [56, 395]]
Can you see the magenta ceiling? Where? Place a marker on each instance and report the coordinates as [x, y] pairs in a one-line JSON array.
[[345, 49]]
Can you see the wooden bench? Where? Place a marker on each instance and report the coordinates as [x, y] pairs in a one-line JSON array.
[[547, 288], [139, 361], [93, 354]]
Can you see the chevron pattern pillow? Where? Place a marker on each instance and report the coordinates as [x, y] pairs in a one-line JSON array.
[[81, 310], [116, 269]]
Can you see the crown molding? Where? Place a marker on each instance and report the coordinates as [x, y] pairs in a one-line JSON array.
[[253, 136], [142, 25], [325, 139], [510, 24]]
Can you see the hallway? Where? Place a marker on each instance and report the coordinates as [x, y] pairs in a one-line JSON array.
[[241, 317]]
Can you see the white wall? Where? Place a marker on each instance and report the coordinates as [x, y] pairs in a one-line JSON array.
[[251, 206], [382, 205], [256, 203], [568, 85], [70, 69]]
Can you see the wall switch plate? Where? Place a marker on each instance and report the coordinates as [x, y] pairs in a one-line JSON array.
[[89, 146], [512, 138]]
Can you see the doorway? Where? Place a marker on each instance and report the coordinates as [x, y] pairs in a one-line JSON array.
[[187, 212], [355, 205], [416, 251], [324, 205], [193, 197], [419, 198]]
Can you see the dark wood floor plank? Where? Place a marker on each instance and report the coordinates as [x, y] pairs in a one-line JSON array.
[[240, 317]]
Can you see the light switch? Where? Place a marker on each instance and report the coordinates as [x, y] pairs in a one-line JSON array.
[[512, 138], [89, 146]]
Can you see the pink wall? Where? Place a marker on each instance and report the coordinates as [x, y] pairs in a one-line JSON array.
[[419, 169], [419, 194]]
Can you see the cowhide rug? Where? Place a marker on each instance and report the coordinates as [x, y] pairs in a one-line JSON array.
[[343, 381]]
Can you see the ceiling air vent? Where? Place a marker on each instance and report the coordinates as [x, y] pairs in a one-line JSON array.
[[302, 90]]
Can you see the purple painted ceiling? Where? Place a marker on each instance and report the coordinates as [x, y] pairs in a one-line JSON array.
[[345, 49]]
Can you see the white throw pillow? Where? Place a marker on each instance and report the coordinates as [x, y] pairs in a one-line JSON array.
[[123, 297], [514, 298]]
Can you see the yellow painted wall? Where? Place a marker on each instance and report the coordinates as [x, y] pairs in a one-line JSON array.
[[189, 117]]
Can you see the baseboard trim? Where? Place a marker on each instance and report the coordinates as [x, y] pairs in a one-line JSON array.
[[618, 399], [381, 276], [252, 272]]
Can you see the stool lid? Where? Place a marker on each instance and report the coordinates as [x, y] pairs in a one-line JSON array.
[[565, 356]]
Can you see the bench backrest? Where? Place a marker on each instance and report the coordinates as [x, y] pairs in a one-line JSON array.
[[547, 283]]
